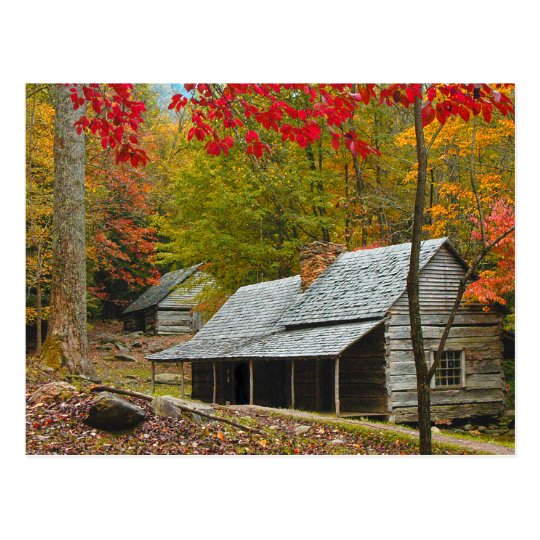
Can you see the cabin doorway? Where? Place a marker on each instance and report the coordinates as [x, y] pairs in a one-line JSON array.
[[241, 384]]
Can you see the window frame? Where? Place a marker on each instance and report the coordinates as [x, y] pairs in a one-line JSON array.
[[461, 385]]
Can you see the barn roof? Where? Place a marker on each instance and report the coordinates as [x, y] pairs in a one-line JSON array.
[[155, 294], [275, 319]]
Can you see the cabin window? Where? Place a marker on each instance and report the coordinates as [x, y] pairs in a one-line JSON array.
[[451, 370]]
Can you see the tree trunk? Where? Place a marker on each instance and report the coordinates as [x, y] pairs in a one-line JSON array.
[[413, 287], [66, 346], [39, 317]]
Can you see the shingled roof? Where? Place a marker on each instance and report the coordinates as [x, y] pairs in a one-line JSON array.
[[358, 285], [155, 294], [275, 319]]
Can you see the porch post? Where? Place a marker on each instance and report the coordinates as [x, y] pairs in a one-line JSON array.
[[153, 377], [292, 384], [182, 366], [251, 382], [336, 389], [215, 386]]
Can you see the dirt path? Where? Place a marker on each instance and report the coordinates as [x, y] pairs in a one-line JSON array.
[[464, 443]]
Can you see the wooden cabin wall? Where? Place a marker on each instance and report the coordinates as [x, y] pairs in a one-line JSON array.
[[175, 312], [133, 322], [174, 321], [271, 383], [140, 321], [307, 380], [362, 378], [202, 381], [475, 332], [150, 320]]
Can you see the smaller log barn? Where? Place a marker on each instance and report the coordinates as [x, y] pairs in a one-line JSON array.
[[337, 338], [167, 308]]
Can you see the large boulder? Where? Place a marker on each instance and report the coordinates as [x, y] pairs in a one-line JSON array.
[[53, 391], [168, 378], [111, 413], [168, 406]]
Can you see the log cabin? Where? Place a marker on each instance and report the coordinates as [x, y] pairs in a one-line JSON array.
[[168, 307], [337, 338]]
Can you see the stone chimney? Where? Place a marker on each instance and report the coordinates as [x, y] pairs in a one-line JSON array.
[[315, 258]]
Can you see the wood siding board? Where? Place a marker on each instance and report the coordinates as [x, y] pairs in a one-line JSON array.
[[475, 332], [449, 412], [448, 397]]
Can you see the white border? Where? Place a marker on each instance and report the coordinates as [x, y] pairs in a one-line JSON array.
[[282, 41]]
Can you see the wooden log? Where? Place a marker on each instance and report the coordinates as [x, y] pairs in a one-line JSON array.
[[440, 319], [182, 367], [435, 332], [214, 390], [251, 382], [336, 383], [318, 384], [452, 343], [449, 397], [450, 412], [164, 330], [184, 408], [472, 381], [292, 384]]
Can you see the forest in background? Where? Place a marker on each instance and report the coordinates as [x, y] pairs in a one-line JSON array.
[[247, 217]]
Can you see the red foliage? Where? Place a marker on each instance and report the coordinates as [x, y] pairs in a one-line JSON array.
[[116, 119], [122, 248], [216, 110], [498, 280]]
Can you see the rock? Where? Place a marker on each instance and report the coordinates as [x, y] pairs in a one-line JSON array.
[[168, 378], [168, 406], [457, 430], [493, 426], [468, 427], [481, 428], [491, 432], [107, 338], [111, 413], [154, 347], [106, 347], [137, 344], [137, 333], [83, 378], [300, 430], [165, 406], [337, 441], [121, 347], [273, 428], [53, 391], [120, 357], [435, 430]]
